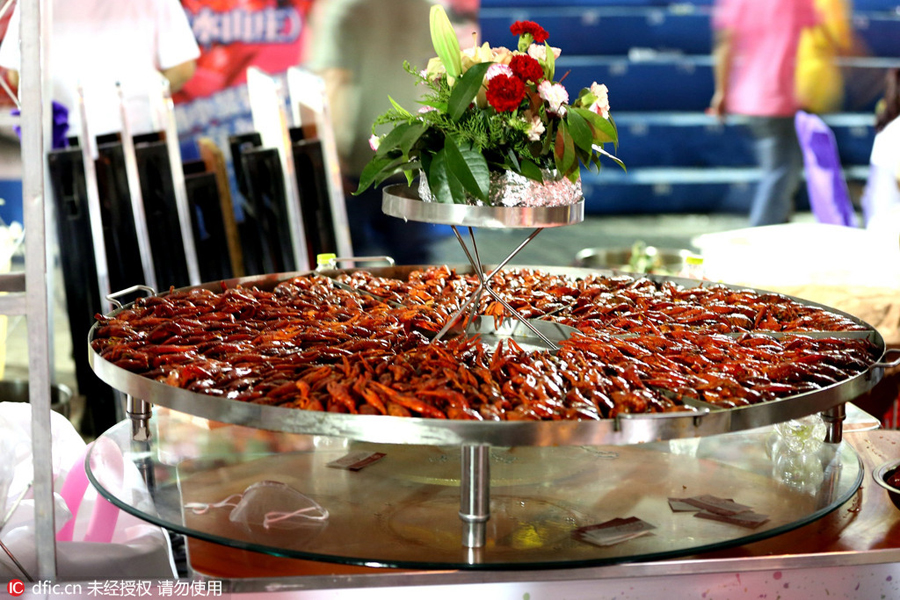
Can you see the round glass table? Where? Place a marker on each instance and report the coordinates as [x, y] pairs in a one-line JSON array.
[[287, 495]]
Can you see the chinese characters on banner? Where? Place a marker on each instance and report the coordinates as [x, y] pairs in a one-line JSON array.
[[234, 35]]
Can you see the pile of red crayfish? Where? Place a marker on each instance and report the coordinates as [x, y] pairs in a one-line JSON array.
[[642, 346]]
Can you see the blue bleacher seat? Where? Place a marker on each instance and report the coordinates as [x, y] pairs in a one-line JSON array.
[[674, 84], [614, 30], [606, 31], [674, 139]]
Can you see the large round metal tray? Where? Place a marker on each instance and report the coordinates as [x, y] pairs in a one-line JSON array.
[[403, 202], [624, 429]]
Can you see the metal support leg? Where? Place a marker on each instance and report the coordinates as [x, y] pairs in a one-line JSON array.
[[139, 411], [475, 495], [142, 452], [484, 285], [834, 421]]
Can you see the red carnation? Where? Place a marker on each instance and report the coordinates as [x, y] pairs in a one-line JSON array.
[[505, 93], [539, 34], [526, 68]]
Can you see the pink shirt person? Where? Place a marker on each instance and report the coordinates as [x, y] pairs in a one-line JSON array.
[[764, 35]]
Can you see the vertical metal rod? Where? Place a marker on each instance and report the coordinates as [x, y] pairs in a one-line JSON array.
[[34, 142], [137, 197], [139, 411], [478, 266], [51, 243], [475, 494], [465, 248], [471, 300], [834, 422], [141, 455]]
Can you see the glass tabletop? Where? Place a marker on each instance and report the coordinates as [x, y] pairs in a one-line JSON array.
[[281, 494]]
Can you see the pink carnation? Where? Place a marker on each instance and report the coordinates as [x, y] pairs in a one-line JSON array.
[[539, 52], [498, 69], [555, 95], [535, 127], [601, 104]]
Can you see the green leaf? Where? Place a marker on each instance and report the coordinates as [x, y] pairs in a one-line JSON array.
[[549, 136], [444, 186], [616, 130], [564, 150], [581, 131], [614, 159], [550, 68], [468, 167], [400, 109], [445, 42], [618, 162], [466, 89], [531, 170], [513, 161], [440, 106], [378, 169], [603, 130], [402, 137]]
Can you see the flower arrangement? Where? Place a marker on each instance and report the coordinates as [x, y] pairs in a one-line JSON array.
[[487, 112]]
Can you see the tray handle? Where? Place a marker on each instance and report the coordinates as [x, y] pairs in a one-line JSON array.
[[888, 365], [112, 298]]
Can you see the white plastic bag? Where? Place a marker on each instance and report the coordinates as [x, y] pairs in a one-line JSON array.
[[132, 548]]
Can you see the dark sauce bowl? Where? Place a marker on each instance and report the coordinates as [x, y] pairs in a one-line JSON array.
[[883, 475]]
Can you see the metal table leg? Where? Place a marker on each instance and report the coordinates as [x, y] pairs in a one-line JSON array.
[[139, 411], [475, 494], [834, 421]]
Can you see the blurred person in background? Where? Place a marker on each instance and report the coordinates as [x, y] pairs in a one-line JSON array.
[[819, 81], [97, 43], [755, 56], [359, 47], [881, 200]]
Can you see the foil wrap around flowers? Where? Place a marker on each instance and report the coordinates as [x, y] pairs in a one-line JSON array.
[[511, 189]]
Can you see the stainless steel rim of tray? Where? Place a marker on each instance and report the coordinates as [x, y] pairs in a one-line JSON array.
[[624, 429], [403, 202]]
